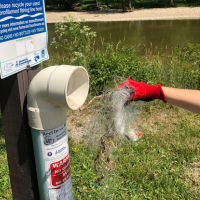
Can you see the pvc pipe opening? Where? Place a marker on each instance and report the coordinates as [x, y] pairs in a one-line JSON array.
[[51, 91], [77, 89]]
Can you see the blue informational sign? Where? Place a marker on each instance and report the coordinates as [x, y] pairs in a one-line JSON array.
[[23, 35]]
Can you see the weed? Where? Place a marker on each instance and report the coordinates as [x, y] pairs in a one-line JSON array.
[[74, 38]]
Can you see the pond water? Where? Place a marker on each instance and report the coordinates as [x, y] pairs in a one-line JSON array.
[[154, 35]]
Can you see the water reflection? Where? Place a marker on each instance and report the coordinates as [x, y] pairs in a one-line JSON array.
[[160, 34]]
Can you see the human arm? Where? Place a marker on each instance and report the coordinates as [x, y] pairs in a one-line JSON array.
[[184, 98]]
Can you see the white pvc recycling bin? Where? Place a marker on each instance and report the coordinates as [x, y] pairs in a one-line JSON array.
[[50, 92]]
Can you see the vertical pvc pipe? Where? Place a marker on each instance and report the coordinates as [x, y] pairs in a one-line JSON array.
[[52, 163], [50, 92]]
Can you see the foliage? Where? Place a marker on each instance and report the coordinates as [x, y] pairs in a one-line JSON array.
[[180, 69], [109, 63], [190, 53], [189, 57], [90, 4], [60, 4], [171, 71], [74, 38]]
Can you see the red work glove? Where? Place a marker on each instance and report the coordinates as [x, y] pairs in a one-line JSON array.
[[143, 91]]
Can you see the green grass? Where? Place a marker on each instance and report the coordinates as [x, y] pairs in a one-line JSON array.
[[5, 187], [156, 167], [5, 191]]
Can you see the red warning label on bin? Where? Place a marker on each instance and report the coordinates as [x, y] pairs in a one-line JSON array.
[[60, 171]]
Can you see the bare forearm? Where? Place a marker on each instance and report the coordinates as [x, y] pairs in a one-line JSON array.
[[184, 98]]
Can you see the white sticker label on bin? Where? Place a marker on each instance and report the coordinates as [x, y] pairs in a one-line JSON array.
[[63, 193], [54, 142]]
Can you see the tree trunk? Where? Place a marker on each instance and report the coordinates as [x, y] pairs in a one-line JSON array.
[[68, 5], [97, 5], [171, 2], [123, 6], [118, 3], [129, 5]]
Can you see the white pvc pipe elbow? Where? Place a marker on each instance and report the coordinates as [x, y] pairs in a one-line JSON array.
[[51, 91]]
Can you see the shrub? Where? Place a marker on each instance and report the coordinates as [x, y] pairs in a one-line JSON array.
[[74, 39], [110, 63]]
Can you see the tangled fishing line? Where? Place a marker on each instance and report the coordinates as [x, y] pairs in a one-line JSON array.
[[112, 124]]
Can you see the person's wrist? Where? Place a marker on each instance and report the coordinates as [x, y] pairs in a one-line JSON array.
[[161, 93]]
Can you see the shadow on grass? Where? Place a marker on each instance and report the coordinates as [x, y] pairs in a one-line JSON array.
[[2, 141], [1, 127]]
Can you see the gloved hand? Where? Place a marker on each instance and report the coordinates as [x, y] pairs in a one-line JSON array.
[[143, 91]]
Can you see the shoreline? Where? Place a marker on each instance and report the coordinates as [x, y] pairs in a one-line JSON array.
[[180, 13]]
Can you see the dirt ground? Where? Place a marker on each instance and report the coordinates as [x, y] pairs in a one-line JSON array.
[[135, 15]]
